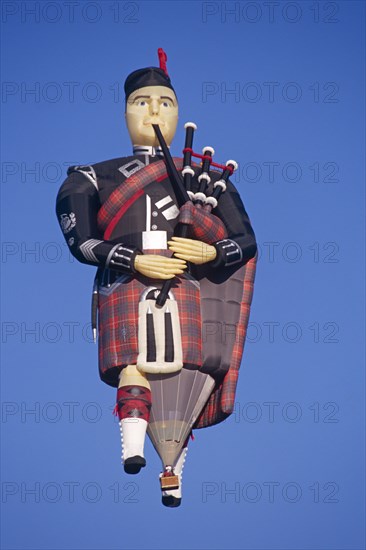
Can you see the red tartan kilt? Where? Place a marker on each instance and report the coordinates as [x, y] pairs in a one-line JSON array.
[[118, 324]]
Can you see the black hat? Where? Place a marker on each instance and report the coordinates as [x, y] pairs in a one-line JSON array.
[[150, 76]]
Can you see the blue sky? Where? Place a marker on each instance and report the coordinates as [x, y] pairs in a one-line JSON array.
[[280, 88]]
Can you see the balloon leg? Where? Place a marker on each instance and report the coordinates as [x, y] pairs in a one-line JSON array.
[[133, 404], [133, 431]]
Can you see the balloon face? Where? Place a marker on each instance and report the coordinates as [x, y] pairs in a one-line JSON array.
[[151, 105]]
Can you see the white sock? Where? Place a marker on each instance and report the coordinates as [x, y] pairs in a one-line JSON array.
[[133, 431], [178, 469]]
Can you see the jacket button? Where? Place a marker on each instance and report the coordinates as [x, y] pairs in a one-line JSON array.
[[154, 213], [153, 227]]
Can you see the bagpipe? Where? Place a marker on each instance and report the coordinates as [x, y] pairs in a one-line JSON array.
[[182, 185], [195, 207]]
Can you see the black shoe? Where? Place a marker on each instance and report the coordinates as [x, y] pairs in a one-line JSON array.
[[170, 501], [134, 464]]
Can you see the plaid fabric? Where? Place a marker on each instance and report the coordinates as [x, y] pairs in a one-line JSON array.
[[132, 185], [221, 403], [205, 226], [118, 324], [118, 309]]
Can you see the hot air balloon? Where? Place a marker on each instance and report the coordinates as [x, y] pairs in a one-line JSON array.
[[176, 256]]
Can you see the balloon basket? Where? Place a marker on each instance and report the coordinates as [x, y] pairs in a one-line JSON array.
[[169, 480]]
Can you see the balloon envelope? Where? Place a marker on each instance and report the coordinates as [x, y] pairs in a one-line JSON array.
[[177, 400]]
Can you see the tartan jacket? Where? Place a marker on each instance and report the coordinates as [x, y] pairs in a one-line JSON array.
[[104, 210]]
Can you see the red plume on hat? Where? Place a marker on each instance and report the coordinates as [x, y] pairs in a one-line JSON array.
[[163, 58], [149, 76]]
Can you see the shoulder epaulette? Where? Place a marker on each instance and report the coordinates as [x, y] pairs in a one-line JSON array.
[[87, 171]]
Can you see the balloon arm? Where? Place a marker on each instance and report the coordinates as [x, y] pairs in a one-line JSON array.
[[240, 244], [77, 208]]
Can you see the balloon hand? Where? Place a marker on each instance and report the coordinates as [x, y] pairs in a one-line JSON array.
[[196, 252], [159, 267]]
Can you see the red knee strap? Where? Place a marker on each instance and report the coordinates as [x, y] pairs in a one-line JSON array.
[[134, 402]]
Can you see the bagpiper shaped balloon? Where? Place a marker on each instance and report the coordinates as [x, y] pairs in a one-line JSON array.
[[176, 257]]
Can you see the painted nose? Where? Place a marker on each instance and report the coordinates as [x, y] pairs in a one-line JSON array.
[[154, 107]]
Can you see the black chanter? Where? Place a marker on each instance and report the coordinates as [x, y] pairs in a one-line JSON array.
[[182, 198], [176, 179]]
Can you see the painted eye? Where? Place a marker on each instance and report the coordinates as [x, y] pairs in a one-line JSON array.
[[165, 104], [142, 103]]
